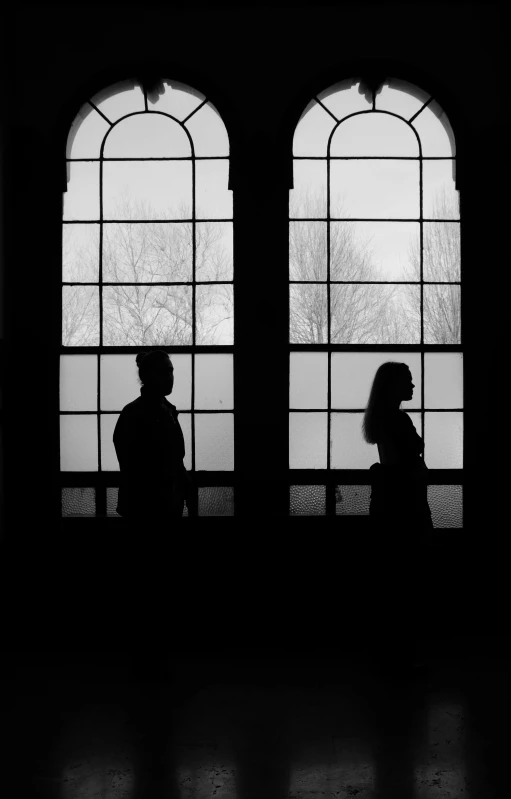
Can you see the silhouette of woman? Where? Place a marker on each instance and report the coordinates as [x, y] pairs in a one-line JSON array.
[[150, 449]]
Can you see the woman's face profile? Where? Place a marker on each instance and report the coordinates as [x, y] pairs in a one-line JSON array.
[[162, 377], [408, 386]]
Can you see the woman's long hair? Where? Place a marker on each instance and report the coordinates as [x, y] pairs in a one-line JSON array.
[[147, 360], [384, 379]]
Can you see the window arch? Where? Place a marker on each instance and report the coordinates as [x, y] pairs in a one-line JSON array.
[[374, 270], [147, 262]]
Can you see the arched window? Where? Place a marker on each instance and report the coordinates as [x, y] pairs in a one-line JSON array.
[[147, 262], [374, 270]]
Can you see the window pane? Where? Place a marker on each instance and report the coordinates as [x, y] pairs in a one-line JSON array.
[[307, 500], [434, 132], [442, 314], [441, 246], [352, 500], [374, 250], [119, 381], [213, 198], [124, 97], [344, 98], [80, 253], [87, 133], [109, 462], [307, 198], [208, 132], [308, 313], [441, 199], [375, 314], [353, 374], [78, 501], [80, 316], [185, 421], [176, 99], [213, 382], [308, 380], [147, 136], [446, 505], [374, 135], [81, 200], [348, 448], [214, 441], [308, 251], [214, 254], [112, 496], [379, 189], [216, 501], [79, 443], [147, 252], [78, 383], [214, 314], [444, 440], [307, 440], [313, 130], [145, 316], [147, 189], [401, 98], [443, 375]]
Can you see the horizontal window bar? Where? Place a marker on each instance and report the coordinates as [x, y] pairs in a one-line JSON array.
[[185, 349], [362, 219], [347, 283], [362, 410], [138, 221], [372, 158], [375, 347], [105, 413], [176, 158], [177, 283]]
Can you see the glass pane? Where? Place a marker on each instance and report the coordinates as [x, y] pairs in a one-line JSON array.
[[307, 251], [147, 136], [353, 374], [147, 252], [446, 505], [81, 200], [87, 133], [80, 316], [440, 197], [379, 189], [443, 380], [214, 441], [185, 421], [78, 501], [307, 198], [400, 97], [444, 440], [78, 383], [174, 98], [352, 500], [112, 495], [214, 382], [147, 189], [80, 253], [212, 197], [374, 250], [374, 135], [79, 443], [143, 316], [307, 500], [124, 97], [313, 130], [442, 314], [435, 132], [344, 98], [308, 320], [214, 254], [375, 314], [441, 246], [208, 132], [308, 380], [216, 501], [307, 440], [214, 311], [109, 462], [348, 448]]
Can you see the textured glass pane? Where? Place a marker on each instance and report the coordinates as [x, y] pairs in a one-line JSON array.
[[344, 98], [174, 98], [120, 384], [145, 316], [308, 380], [124, 97], [80, 316], [444, 440], [443, 380], [307, 440], [78, 383], [81, 200], [374, 251], [307, 198], [112, 495], [374, 314], [353, 374], [401, 98], [213, 382], [150, 252], [308, 313], [441, 248], [109, 462], [79, 443], [442, 314], [80, 253], [208, 132], [313, 130], [446, 505], [214, 441], [78, 501], [216, 501], [212, 197], [440, 197], [214, 254], [375, 134], [374, 189], [348, 448], [352, 500], [214, 311], [307, 251], [435, 132], [147, 136], [87, 133], [307, 500], [147, 189], [185, 422]]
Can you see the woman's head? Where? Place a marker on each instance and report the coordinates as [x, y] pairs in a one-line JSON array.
[[155, 371], [392, 384]]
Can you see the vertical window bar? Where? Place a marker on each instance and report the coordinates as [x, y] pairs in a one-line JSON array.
[[145, 98], [421, 267], [194, 340], [328, 304]]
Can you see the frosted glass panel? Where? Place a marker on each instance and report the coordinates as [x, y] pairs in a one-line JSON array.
[[435, 132], [78, 383], [174, 98], [80, 253], [374, 251], [147, 136], [214, 251], [212, 197], [312, 131], [81, 200], [208, 132], [308, 251], [147, 317], [400, 98], [124, 97], [78, 501], [214, 441], [307, 500], [344, 98], [147, 189], [441, 248], [375, 134], [185, 422], [440, 197], [442, 314], [109, 462], [348, 448], [308, 314], [443, 376], [375, 314], [214, 314], [352, 500], [307, 198], [87, 133], [216, 501], [374, 189], [353, 374], [80, 316], [444, 440], [149, 252], [446, 505], [213, 382], [308, 380], [112, 496], [307, 440], [79, 443]]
